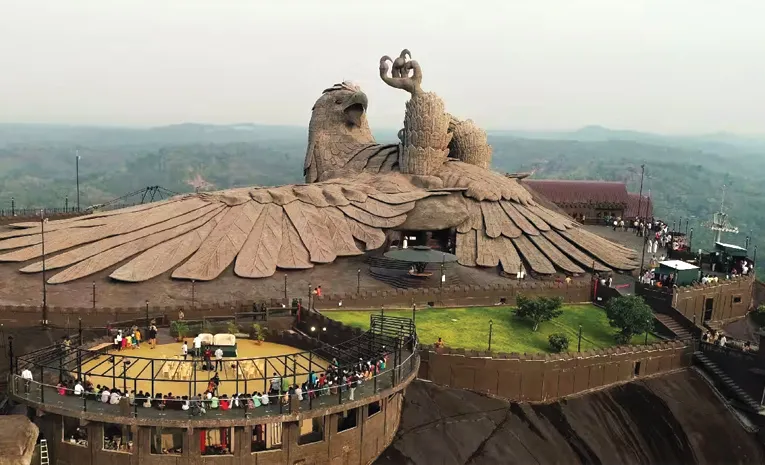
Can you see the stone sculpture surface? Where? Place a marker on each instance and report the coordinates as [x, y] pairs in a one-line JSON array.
[[436, 178]]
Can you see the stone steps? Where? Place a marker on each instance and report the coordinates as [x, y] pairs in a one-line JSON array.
[[712, 368], [675, 327]]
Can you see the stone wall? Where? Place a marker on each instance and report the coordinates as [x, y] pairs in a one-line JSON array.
[[729, 299], [545, 377], [21, 315], [460, 295]]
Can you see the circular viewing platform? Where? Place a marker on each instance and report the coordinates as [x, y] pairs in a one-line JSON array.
[[277, 398]]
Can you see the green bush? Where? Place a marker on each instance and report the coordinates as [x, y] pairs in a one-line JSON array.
[[258, 332], [558, 342], [179, 329]]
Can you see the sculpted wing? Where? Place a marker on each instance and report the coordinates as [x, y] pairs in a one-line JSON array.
[[506, 224], [199, 236]]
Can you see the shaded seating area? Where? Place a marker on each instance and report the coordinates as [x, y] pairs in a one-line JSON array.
[[414, 267]]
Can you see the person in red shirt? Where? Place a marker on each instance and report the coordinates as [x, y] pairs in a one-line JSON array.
[[225, 403]]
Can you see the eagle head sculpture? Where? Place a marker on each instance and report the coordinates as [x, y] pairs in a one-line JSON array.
[[338, 122]]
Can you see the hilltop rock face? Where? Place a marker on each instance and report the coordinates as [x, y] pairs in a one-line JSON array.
[[674, 419], [17, 441]]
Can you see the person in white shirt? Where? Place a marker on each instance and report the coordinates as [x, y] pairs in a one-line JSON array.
[[26, 375], [78, 389], [264, 399], [115, 398], [105, 396], [185, 350], [299, 392], [197, 347], [185, 405], [723, 340], [118, 340], [218, 359]]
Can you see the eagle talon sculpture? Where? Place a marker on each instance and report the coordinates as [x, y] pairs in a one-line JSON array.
[[356, 193]]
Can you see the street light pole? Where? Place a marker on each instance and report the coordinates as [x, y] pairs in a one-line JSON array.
[[491, 326], [285, 288], [44, 283], [579, 344], [147, 313], [640, 197], [358, 282], [193, 293], [13, 206], [77, 170], [94, 295]]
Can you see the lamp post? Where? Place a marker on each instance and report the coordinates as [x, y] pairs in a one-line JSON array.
[[13, 207], [358, 282], [193, 293], [640, 196], [77, 171], [491, 326], [579, 344], [309, 297], [94, 295], [690, 243], [414, 314], [66, 204], [285, 288], [44, 283], [147, 313]]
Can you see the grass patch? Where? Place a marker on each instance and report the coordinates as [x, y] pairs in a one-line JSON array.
[[468, 328]]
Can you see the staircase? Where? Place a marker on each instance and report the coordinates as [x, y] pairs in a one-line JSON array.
[[712, 368], [673, 325]]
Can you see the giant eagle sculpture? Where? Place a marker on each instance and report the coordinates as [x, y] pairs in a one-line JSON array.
[[437, 177]]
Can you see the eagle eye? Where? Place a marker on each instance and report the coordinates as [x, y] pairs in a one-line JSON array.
[[338, 101]]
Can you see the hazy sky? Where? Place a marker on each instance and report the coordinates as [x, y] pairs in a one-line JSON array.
[[672, 66]]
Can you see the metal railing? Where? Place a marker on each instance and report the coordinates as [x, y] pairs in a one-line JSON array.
[[381, 357]]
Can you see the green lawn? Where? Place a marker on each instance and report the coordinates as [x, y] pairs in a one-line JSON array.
[[468, 328]]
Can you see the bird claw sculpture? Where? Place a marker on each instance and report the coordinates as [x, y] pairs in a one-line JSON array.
[[405, 73]]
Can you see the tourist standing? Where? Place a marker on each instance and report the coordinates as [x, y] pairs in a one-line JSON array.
[[153, 335], [26, 375], [185, 350], [218, 359]]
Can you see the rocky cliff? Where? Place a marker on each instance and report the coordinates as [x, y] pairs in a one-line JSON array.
[[672, 419]]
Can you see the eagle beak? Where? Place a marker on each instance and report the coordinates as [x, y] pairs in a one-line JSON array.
[[354, 108]]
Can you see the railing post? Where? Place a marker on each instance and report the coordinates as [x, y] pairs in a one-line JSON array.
[[135, 394], [84, 402], [42, 390], [152, 377]]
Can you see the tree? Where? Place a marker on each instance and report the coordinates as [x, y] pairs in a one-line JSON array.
[[631, 315], [538, 310]]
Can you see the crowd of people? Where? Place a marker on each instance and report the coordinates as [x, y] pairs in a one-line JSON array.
[[133, 337], [332, 381]]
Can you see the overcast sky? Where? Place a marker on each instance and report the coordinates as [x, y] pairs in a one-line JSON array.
[[670, 66]]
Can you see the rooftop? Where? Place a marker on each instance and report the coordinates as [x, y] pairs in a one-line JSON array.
[[678, 265], [730, 246], [566, 191]]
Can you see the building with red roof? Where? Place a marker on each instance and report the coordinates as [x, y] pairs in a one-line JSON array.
[[583, 199]]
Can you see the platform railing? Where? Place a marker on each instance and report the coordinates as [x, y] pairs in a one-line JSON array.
[[402, 363]]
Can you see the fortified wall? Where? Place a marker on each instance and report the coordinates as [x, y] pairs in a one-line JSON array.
[[546, 377], [719, 302], [25, 315]]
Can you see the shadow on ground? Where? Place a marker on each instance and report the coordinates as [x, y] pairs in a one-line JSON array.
[[672, 419]]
